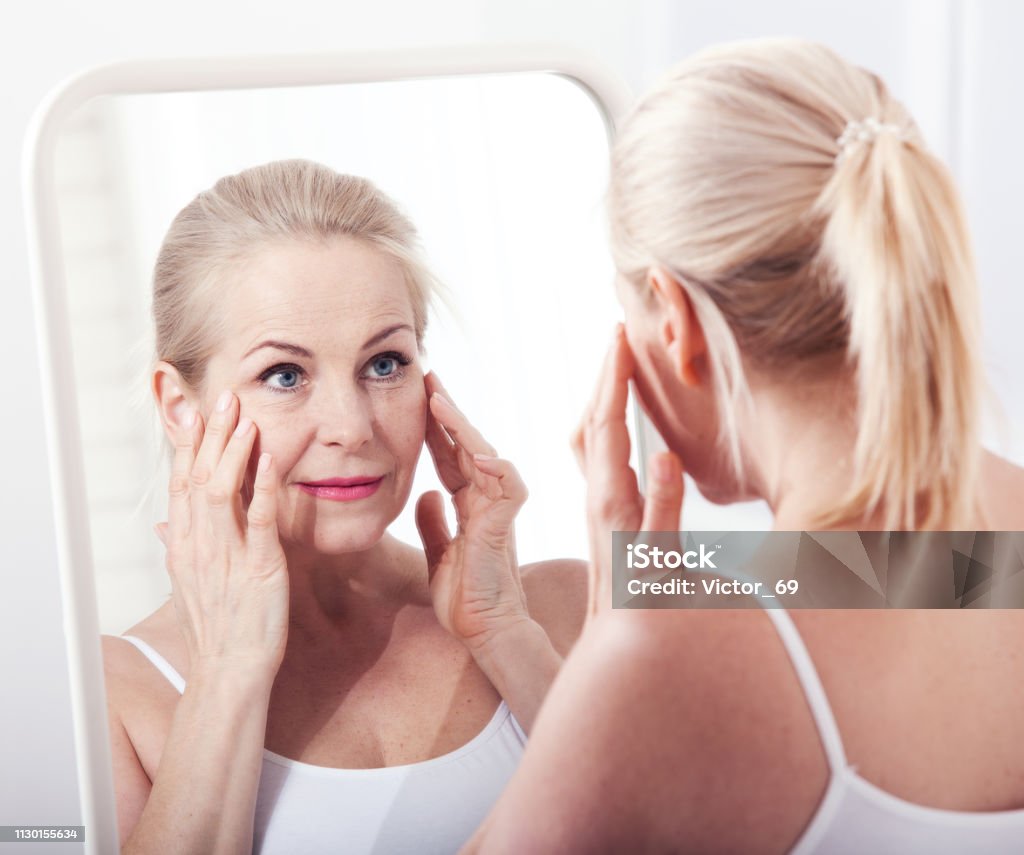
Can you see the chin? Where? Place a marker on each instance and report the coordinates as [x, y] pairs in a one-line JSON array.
[[339, 539]]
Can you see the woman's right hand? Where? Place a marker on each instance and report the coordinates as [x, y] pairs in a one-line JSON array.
[[229, 576]]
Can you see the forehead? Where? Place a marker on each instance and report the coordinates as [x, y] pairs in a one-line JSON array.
[[317, 291]]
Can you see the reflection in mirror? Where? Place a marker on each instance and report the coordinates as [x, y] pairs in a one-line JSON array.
[[502, 175]]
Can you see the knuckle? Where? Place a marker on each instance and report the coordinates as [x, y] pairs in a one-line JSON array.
[[217, 496], [179, 486], [199, 477], [605, 506], [263, 487], [217, 426], [599, 422], [260, 521]]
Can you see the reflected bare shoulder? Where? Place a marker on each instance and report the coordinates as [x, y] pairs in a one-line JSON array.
[[556, 592]]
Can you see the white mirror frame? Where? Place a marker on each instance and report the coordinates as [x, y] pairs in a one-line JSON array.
[[74, 551]]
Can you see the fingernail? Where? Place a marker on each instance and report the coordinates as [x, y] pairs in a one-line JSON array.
[[444, 400], [244, 424], [189, 419], [264, 463], [223, 401], [484, 457]]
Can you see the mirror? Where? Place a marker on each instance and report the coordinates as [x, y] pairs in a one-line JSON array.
[[500, 164]]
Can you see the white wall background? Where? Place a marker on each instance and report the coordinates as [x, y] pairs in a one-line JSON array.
[[954, 61]]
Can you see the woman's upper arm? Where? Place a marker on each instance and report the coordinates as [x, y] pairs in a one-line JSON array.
[[661, 728], [131, 783], [585, 781], [556, 593]]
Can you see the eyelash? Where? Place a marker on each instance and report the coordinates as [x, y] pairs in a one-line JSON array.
[[393, 377]]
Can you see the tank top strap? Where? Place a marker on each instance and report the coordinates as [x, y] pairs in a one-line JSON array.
[[162, 664], [828, 730]]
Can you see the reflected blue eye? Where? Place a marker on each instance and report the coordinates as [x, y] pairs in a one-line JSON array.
[[386, 367], [282, 378]]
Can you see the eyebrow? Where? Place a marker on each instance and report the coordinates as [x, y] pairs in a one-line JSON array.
[[301, 351]]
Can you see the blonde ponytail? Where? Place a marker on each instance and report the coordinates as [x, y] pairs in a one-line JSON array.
[[895, 242]]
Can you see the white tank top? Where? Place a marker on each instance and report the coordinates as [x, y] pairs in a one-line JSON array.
[[429, 807], [857, 817]]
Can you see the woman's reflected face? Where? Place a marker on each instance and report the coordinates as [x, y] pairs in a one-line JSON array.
[[321, 350]]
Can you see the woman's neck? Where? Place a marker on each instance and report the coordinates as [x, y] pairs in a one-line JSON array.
[[347, 595], [799, 449]]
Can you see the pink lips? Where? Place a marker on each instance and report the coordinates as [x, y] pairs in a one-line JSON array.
[[341, 489]]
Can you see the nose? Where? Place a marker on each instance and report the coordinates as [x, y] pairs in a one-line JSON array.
[[344, 417]]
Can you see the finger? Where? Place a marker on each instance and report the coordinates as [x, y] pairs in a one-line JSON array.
[[663, 504], [613, 389], [444, 454], [607, 368], [434, 384], [160, 530], [607, 406], [577, 443], [179, 506], [503, 475], [262, 516], [215, 438], [224, 492], [458, 426], [433, 529], [606, 435]]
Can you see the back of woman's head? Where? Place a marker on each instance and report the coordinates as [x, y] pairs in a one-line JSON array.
[[795, 201], [255, 209]]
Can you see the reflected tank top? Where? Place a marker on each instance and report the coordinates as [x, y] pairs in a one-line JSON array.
[[428, 807]]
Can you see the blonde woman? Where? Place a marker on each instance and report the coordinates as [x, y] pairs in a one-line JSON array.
[[315, 685], [801, 326]]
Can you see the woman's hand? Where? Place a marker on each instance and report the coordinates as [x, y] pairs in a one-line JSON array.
[[229, 576], [614, 501], [474, 578]]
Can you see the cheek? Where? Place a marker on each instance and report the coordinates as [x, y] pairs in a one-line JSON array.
[[275, 433], [401, 416], [273, 436]]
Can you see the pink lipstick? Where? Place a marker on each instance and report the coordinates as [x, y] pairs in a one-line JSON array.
[[341, 489]]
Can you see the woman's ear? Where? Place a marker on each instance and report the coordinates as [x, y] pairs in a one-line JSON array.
[[173, 399], [679, 329]]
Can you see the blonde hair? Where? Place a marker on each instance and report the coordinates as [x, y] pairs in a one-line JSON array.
[[289, 199], [797, 253]]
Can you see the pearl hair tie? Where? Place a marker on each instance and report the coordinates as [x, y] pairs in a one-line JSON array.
[[864, 131]]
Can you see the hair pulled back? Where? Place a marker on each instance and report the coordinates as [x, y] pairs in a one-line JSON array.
[[797, 253]]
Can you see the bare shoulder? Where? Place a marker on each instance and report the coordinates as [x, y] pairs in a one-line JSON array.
[[681, 703], [556, 592], [1002, 488], [127, 671], [119, 655]]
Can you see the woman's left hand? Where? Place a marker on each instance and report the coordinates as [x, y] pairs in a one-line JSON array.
[[474, 577], [614, 501]]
